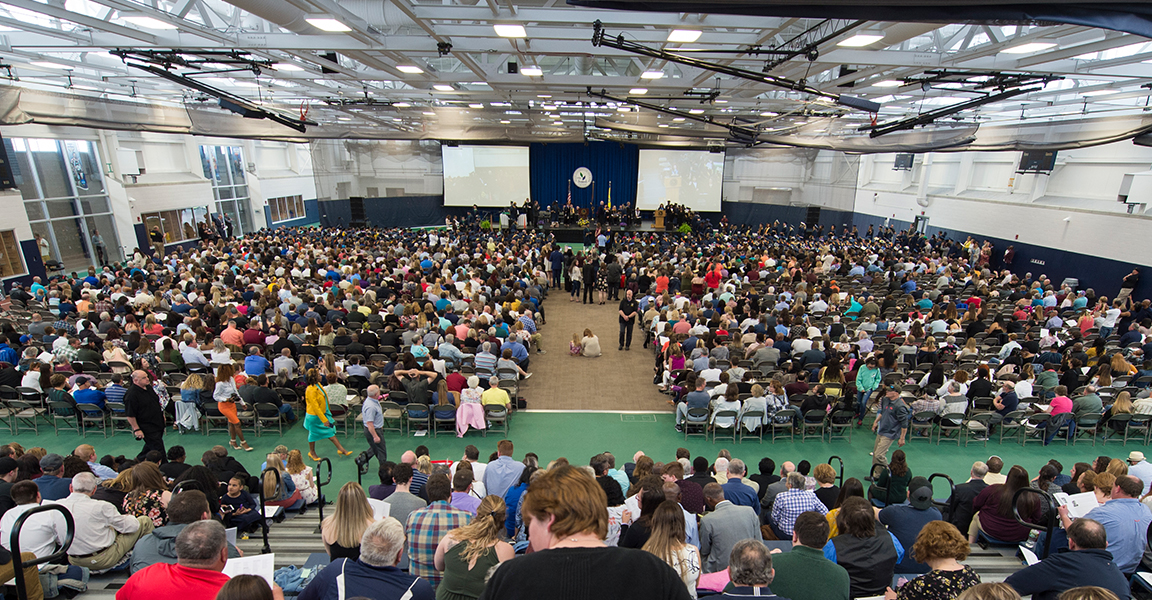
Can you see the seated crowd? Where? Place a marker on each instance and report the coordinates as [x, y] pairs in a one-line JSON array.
[[688, 527], [820, 327]]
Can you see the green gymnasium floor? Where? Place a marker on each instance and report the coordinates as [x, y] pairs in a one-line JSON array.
[[579, 435]]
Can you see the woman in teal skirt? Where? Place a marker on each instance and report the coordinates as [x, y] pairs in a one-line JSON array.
[[318, 421]]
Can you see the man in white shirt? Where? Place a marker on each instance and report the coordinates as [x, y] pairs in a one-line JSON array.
[[1140, 469], [41, 534], [191, 353], [284, 361], [104, 537]]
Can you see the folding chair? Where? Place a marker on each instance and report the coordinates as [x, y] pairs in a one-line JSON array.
[[496, 415], [759, 432], [697, 419], [814, 421], [730, 432], [778, 428]]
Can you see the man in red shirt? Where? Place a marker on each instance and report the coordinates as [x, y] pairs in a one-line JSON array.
[[232, 336], [201, 552]]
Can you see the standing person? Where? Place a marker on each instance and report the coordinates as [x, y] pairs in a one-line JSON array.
[[891, 424], [867, 380], [1128, 284], [373, 422], [144, 413], [318, 421], [628, 308], [101, 248], [226, 396], [465, 555], [157, 240]]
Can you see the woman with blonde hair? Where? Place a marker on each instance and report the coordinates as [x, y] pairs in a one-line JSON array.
[[990, 591], [318, 421], [424, 464], [468, 553], [226, 396], [114, 353], [667, 540], [279, 488], [302, 476], [341, 530]]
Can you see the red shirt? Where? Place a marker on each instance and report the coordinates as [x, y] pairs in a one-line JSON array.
[[712, 278], [172, 581], [456, 382], [661, 284], [1061, 404]]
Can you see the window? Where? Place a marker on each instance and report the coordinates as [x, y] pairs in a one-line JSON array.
[[224, 167], [286, 209], [178, 225], [11, 261], [64, 197]]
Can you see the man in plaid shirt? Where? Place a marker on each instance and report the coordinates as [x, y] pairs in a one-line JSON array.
[[426, 526], [790, 503]]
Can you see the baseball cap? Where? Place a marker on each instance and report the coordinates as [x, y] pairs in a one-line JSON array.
[[7, 465], [920, 496], [51, 462]]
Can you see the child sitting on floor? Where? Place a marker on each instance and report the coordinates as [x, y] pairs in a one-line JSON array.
[[238, 506]]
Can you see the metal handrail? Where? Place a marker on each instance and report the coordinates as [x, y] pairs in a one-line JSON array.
[[875, 478], [362, 463], [320, 488], [841, 461], [1052, 511], [14, 543], [951, 490]]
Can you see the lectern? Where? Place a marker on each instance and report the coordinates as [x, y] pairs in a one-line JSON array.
[[660, 219]]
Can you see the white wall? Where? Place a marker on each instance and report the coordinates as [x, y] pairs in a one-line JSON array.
[[1075, 208]]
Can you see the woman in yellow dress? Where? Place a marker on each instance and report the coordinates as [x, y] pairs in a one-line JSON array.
[[318, 421]]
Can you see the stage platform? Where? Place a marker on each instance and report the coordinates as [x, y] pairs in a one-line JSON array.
[[576, 235]]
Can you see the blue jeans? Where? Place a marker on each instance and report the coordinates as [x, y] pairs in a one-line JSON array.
[[286, 412], [1054, 427], [862, 403], [1105, 332]]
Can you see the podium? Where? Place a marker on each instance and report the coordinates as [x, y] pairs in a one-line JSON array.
[[660, 219]]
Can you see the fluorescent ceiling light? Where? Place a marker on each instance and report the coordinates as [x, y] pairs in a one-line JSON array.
[[683, 36], [638, 91], [532, 71], [244, 83], [475, 106], [548, 107], [652, 75], [147, 22], [428, 113], [720, 101], [623, 109], [861, 39], [1028, 48], [662, 125], [409, 69], [505, 122], [769, 114], [510, 31], [1100, 93], [48, 64], [888, 83], [677, 119], [329, 25], [287, 67], [696, 111], [441, 87], [401, 104], [543, 95]]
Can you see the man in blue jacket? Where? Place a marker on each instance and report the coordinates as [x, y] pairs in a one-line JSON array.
[[1085, 562]]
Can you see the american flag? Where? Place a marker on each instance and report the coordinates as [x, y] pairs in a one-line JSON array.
[[569, 191]]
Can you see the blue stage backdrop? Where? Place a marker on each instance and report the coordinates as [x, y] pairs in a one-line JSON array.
[[552, 166]]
